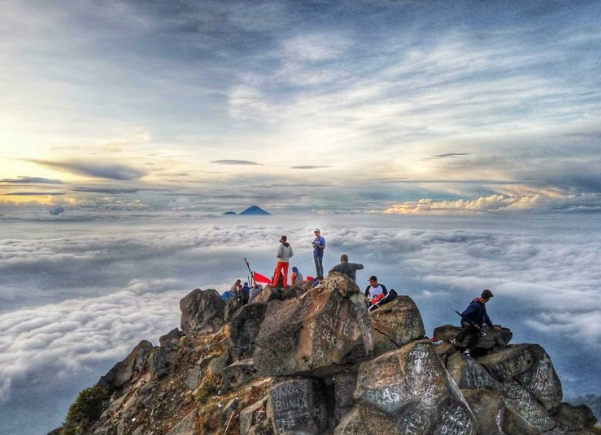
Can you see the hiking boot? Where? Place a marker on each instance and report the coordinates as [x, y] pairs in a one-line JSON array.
[[466, 353]]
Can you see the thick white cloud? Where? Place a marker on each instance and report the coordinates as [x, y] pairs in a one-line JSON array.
[[75, 295], [72, 335]]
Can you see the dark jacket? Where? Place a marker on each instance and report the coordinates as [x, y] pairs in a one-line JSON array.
[[348, 269], [475, 314]]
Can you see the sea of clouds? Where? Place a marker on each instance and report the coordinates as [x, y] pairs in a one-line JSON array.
[[76, 296]]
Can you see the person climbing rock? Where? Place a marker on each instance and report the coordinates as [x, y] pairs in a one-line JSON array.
[[472, 320], [346, 268]]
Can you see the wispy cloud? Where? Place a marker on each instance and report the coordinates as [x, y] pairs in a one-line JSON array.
[[30, 180], [446, 156], [33, 193], [96, 169], [235, 162], [310, 167]]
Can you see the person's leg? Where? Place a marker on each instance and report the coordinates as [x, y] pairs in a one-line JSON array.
[[466, 329], [320, 263], [285, 267], [278, 272], [316, 260]]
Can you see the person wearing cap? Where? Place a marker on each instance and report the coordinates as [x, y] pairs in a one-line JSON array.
[[346, 268], [319, 245], [472, 320], [283, 256], [374, 291]]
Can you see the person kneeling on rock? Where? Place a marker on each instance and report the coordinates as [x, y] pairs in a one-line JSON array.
[[472, 320]]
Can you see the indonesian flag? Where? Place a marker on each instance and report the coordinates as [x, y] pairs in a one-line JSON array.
[[261, 278]]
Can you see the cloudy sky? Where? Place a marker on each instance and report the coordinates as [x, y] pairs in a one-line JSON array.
[[378, 106]]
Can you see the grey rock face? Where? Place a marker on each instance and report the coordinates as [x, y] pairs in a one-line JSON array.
[[254, 421], [526, 405], [508, 363], [411, 390], [541, 379], [351, 424], [489, 409], [244, 329], [573, 418], [202, 311], [515, 424], [231, 306], [297, 406], [467, 373], [399, 321], [238, 373], [317, 334], [125, 371], [493, 340], [188, 426]]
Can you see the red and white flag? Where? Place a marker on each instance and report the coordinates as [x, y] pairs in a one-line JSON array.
[[261, 278]]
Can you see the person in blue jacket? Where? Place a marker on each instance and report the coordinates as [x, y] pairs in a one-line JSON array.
[[319, 245], [472, 320]]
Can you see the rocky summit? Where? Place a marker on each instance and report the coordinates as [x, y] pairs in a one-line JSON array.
[[314, 361]]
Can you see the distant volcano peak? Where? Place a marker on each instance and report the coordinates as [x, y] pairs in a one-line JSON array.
[[255, 210]]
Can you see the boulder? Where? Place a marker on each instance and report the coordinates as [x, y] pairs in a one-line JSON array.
[[351, 424], [344, 387], [297, 406], [467, 373], [254, 415], [316, 334], [202, 311], [493, 340], [244, 329], [131, 367], [171, 339], [238, 373], [410, 390], [400, 321], [345, 286], [541, 379], [231, 306], [444, 351], [526, 405], [514, 424], [489, 409], [187, 426], [572, 417], [508, 363], [268, 294]]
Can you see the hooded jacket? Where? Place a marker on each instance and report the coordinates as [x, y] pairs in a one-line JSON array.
[[476, 314], [285, 252]]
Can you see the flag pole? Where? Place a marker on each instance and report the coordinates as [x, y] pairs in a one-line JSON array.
[[252, 274]]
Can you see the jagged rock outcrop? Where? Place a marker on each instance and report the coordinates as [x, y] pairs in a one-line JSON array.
[[492, 340], [316, 362], [411, 390], [202, 311], [317, 333]]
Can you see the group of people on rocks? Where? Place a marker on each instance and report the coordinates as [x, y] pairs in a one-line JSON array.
[[376, 294]]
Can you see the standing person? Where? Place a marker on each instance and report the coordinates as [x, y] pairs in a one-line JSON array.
[[237, 286], [283, 256], [319, 245], [374, 291], [297, 277], [346, 268], [472, 320], [245, 293]]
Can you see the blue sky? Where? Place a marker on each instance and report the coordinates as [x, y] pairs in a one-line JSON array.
[[369, 106]]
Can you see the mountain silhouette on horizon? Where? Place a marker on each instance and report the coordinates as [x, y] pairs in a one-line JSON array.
[[255, 210]]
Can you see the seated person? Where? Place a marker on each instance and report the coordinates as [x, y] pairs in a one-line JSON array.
[[374, 292]]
